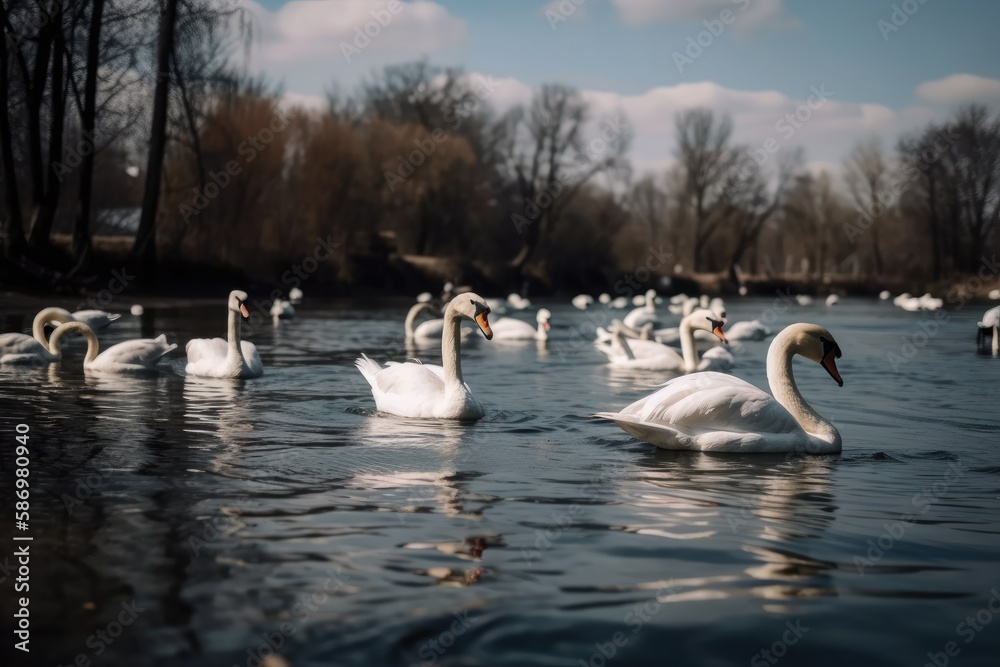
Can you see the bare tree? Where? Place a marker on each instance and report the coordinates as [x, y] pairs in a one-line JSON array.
[[649, 202], [975, 164], [867, 175], [704, 151], [550, 162]]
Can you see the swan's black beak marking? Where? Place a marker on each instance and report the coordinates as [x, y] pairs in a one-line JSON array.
[[483, 321], [831, 352], [717, 329]]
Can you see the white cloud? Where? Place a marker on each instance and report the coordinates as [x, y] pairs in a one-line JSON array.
[[303, 30], [751, 15], [960, 89]]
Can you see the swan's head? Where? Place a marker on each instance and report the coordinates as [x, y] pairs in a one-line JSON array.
[[237, 303], [816, 343], [543, 317], [707, 320], [476, 309]]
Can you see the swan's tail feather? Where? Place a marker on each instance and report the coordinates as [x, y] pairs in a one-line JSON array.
[[368, 368]]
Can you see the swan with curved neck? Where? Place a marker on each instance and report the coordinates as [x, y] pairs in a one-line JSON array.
[[653, 356], [231, 358], [18, 348], [132, 356], [714, 412], [509, 328], [429, 331], [427, 391], [644, 313]]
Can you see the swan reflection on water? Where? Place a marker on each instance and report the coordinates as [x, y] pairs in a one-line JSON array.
[[767, 503]]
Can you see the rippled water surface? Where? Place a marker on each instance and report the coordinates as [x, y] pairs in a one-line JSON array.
[[286, 510]]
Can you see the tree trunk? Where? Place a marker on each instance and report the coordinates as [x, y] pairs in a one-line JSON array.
[[13, 247], [143, 255], [81, 231], [42, 228]]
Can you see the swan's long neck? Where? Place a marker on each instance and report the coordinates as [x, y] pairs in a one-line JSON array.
[[622, 340], [996, 339], [45, 316], [55, 345], [782, 383], [650, 302], [687, 346], [411, 317], [234, 333], [540, 333], [451, 344]]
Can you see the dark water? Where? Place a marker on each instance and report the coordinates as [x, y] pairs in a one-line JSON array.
[[284, 510]]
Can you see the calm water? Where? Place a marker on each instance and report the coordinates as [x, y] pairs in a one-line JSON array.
[[286, 510]]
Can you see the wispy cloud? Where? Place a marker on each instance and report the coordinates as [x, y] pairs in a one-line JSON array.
[[755, 15], [960, 89]]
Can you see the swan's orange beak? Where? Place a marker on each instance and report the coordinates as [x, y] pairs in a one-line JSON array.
[[717, 330], [830, 364], [243, 311], [484, 324], [545, 325]]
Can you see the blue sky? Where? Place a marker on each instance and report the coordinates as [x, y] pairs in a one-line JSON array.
[[621, 52]]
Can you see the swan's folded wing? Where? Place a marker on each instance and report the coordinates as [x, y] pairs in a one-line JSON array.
[[16, 343], [143, 351], [418, 380], [711, 401], [206, 348]]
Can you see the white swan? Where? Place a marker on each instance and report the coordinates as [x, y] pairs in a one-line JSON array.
[[619, 302], [994, 295], [132, 356], [832, 299], [885, 295], [282, 310], [508, 328], [804, 299], [644, 314], [95, 319], [743, 290], [295, 296], [581, 301], [19, 348], [652, 356], [713, 412], [427, 391], [685, 307], [990, 325], [747, 330], [604, 335], [604, 298], [232, 358], [517, 302], [425, 332]]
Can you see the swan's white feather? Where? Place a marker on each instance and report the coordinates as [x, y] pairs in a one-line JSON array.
[[133, 355], [711, 412]]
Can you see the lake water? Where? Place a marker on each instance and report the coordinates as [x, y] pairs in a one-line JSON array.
[[228, 517]]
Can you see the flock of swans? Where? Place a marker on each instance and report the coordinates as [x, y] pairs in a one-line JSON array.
[[704, 409]]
